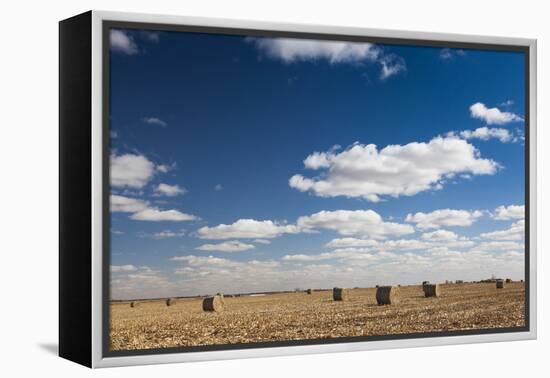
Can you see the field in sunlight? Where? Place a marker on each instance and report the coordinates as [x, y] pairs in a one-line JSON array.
[[299, 316]]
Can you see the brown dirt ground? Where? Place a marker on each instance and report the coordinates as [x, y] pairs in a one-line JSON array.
[[299, 316]]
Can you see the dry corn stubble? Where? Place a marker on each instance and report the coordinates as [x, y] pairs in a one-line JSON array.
[[295, 316]]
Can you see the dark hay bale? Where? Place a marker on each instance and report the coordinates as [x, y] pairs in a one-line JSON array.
[[386, 295], [309, 291], [377, 286], [459, 281], [500, 283], [339, 294], [508, 280], [134, 304], [170, 302], [431, 290], [214, 303]]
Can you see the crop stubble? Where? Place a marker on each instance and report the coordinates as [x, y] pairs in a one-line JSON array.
[[298, 316]]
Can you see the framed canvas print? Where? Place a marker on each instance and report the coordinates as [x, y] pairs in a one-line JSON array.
[[234, 189]]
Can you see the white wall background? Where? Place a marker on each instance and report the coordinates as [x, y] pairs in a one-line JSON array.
[[28, 188]]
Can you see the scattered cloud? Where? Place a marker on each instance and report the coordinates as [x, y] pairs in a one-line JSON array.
[[228, 246], [155, 121], [290, 50], [351, 242], [515, 232], [500, 246], [404, 245], [492, 116], [123, 268], [141, 210], [449, 54], [121, 204], [167, 234], [404, 264], [486, 133], [444, 218], [396, 170], [365, 223], [157, 215], [246, 229], [218, 187], [150, 36], [507, 103], [509, 212], [261, 241], [439, 235], [122, 42], [391, 65], [169, 190], [131, 170], [165, 168], [339, 255]]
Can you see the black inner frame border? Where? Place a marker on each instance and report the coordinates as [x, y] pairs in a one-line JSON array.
[[107, 25]]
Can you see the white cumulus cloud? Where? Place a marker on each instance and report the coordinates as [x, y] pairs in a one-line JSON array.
[[157, 215], [123, 268], [169, 190], [364, 223], [492, 116], [351, 242], [444, 218], [439, 235], [396, 170], [290, 50], [122, 42], [515, 232], [509, 212], [228, 246], [486, 133], [246, 229], [131, 170], [123, 204]]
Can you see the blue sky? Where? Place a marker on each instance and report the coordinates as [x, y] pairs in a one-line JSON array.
[[252, 164]]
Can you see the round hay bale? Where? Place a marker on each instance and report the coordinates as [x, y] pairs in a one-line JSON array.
[[214, 303], [386, 295], [170, 302], [134, 304], [508, 280], [500, 283], [309, 291], [339, 294], [431, 290]]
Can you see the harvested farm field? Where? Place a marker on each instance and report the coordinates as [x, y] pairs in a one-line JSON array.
[[302, 316]]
